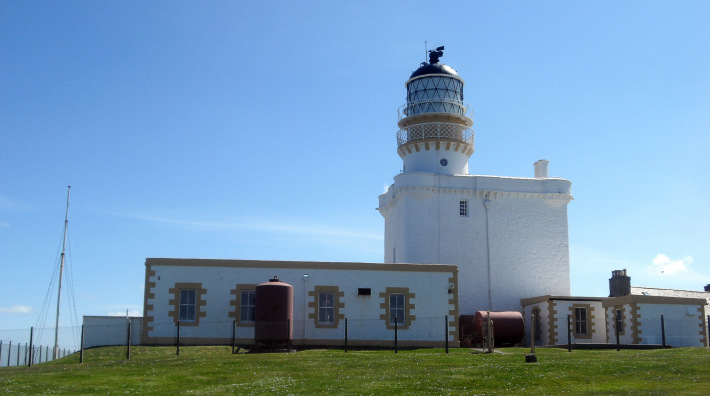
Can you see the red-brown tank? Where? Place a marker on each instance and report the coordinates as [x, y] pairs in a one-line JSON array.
[[508, 327], [273, 314]]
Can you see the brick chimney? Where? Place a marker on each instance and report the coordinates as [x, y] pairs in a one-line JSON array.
[[619, 284]]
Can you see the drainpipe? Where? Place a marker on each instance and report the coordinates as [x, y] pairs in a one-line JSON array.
[[487, 205]]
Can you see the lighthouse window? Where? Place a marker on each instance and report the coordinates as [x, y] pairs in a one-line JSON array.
[[397, 309], [188, 302], [463, 208], [247, 307], [326, 308]]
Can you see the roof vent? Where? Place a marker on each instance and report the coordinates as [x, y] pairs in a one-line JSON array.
[[541, 169]]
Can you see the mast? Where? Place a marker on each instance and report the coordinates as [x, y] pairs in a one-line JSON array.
[[61, 270]]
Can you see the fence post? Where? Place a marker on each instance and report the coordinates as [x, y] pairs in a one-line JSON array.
[[81, 352], [234, 335], [663, 331], [395, 334], [1, 353], [9, 350], [446, 333], [46, 354], [29, 361], [708, 333], [346, 335], [288, 334], [177, 340], [569, 335], [128, 342]]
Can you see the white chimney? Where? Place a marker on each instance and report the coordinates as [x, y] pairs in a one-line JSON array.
[[541, 169]]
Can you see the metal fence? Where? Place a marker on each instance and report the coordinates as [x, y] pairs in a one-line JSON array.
[[32, 346]]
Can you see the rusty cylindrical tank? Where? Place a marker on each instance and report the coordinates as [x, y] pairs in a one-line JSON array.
[[508, 327], [273, 315]]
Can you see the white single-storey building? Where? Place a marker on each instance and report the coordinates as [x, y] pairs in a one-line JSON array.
[[641, 315], [214, 298]]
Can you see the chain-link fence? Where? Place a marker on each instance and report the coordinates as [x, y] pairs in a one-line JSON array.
[[34, 345]]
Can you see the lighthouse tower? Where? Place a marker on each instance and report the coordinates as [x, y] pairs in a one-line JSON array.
[[435, 133], [507, 235]]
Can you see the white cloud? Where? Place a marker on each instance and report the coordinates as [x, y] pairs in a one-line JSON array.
[[134, 312], [265, 226], [16, 309], [668, 266]]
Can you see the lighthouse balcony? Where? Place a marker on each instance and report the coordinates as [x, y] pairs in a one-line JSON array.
[[450, 106], [435, 130]]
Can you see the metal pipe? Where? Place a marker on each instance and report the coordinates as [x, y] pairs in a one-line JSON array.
[[487, 205]]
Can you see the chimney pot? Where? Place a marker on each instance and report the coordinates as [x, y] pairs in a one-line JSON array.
[[541, 169]]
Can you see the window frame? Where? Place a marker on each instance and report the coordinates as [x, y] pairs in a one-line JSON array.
[[237, 303], [463, 208], [619, 321], [249, 305], [187, 312], [535, 312], [326, 308], [338, 298], [397, 305], [175, 303], [409, 306], [581, 323]]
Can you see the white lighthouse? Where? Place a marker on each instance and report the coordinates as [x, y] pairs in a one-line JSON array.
[[507, 235]]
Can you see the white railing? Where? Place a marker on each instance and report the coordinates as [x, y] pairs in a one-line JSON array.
[[435, 130], [433, 106]]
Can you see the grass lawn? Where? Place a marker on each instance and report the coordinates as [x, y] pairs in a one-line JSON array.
[[214, 370]]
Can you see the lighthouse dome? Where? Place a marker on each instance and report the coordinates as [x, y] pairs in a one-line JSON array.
[[433, 68]]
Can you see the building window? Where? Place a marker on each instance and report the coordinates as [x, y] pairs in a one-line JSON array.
[[463, 208], [187, 303], [619, 320], [580, 321], [397, 302], [326, 304], [326, 308], [243, 305], [397, 310], [247, 306], [538, 323]]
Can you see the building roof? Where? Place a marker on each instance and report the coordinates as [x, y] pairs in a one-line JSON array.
[[652, 291]]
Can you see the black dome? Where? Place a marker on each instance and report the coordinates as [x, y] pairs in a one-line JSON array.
[[434, 68]]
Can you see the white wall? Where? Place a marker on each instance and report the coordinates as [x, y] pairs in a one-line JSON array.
[[111, 330], [683, 324], [527, 233], [430, 285]]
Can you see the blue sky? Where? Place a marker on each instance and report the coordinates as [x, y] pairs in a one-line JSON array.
[[266, 130]]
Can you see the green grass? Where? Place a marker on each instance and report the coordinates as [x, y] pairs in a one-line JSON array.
[[214, 370]]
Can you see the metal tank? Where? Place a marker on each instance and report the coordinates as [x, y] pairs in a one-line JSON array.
[[273, 315], [508, 328]]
